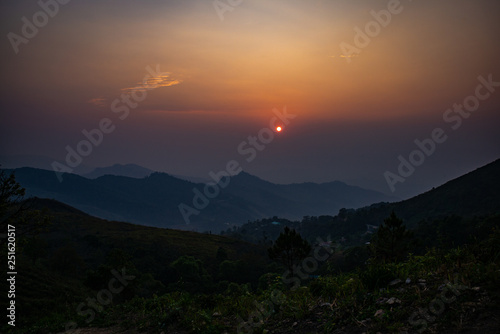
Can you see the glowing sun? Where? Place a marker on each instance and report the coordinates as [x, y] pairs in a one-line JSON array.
[[279, 128]]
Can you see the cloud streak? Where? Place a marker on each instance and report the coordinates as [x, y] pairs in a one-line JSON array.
[[154, 82], [98, 101], [150, 82]]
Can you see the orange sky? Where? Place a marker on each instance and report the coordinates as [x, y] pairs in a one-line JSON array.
[[227, 75]]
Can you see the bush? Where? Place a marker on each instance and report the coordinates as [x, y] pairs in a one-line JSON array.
[[377, 276]]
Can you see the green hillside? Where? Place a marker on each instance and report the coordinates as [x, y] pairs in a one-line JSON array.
[[472, 195], [73, 258]]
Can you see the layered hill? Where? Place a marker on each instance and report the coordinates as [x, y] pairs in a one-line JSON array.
[[154, 200], [474, 194]]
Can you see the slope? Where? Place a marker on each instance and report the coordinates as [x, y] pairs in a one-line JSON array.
[[73, 256], [474, 194]]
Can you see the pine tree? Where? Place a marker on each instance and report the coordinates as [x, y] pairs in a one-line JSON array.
[[391, 242], [289, 249], [18, 211]]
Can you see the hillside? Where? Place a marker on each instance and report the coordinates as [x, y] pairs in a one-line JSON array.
[[154, 200], [474, 194], [188, 282], [88, 234], [78, 254], [74, 256]]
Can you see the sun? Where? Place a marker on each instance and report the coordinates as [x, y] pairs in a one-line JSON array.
[[279, 128]]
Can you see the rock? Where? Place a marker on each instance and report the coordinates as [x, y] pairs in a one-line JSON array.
[[396, 281], [393, 300]]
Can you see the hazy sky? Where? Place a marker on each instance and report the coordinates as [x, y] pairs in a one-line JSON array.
[[360, 100]]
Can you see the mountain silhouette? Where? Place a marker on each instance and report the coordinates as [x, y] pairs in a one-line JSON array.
[[154, 200], [130, 170], [475, 194]]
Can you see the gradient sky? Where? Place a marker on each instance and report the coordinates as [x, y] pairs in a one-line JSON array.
[[221, 80]]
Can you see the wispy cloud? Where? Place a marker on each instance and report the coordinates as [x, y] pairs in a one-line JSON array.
[[344, 56], [98, 101], [160, 80]]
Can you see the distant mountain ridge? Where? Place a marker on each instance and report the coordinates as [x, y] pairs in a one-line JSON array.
[[37, 161], [44, 162], [154, 200], [129, 170]]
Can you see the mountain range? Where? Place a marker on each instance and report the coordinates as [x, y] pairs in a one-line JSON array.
[[154, 200], [129, 170]]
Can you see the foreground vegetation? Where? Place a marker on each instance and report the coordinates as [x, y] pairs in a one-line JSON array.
[[434, 292], [80, 272]]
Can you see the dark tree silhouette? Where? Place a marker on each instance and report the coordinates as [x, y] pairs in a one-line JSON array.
[[221, 254], [289, 249], [392, 240], [11, 197], [16, 210], [190, 269]]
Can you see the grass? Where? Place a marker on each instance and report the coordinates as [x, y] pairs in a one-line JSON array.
[[360, 300], [349, 300]]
